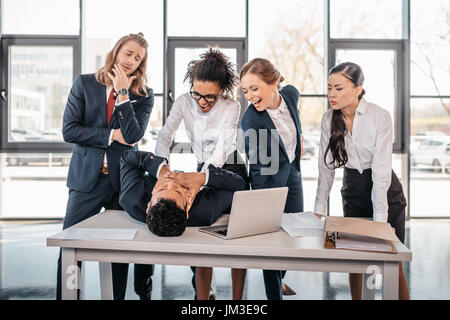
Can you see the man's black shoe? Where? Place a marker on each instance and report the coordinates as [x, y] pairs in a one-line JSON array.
[[212, 296], [147, 296]]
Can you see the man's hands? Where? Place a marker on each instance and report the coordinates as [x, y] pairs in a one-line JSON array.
[[117, 136], [120, 80], [191, 181]]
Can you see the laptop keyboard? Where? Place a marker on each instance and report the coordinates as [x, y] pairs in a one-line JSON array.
[[222, 232]]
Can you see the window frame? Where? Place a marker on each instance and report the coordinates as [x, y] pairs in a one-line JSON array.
[[32, 40]]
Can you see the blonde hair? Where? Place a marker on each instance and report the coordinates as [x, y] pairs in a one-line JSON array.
[[138, 86], [264, 69]]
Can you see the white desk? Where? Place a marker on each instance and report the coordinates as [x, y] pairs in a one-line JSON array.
[[268, 251]]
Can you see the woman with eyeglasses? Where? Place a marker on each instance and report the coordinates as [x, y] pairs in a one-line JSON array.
[[211, 118]]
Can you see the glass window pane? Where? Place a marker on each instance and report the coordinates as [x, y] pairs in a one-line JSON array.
[[430, 47], [41, 17], [430, 158], [371, 19], [290, 33], [41, 176], [206, 18], [40, 81], [102, 34], [311, 111], [148, 141]]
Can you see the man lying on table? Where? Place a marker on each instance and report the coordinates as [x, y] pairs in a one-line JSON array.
[[169, 201]]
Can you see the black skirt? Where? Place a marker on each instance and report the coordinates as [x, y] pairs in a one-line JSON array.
[[234, 164], [357, 202]]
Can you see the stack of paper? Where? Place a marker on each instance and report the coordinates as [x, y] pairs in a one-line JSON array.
[[302, 224], [100, 234]]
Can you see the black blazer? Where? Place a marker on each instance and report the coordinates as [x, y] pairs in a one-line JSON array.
[[255, 120], [138, 178], [85, 124]]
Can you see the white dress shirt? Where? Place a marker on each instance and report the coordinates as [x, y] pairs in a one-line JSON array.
[[284, 123], [369, 146], [212, 135]]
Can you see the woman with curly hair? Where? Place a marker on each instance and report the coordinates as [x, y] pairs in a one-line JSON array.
[[211, 118]]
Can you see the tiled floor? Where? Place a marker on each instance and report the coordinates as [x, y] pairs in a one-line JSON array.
[[28, 269]]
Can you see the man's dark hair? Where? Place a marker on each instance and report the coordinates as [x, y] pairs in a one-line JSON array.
[[166, 219]]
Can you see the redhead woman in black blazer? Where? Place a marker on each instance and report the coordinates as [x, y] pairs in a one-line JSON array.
[[273, 111]]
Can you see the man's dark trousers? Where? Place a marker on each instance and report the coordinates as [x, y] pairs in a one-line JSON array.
[[83, 205]]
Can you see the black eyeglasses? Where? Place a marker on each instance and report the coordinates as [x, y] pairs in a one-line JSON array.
[[209, 98]]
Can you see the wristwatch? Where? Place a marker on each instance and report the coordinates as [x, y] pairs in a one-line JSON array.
[[122, 91]]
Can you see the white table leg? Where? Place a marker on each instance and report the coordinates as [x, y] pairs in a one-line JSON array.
[[83, 282], [69, 275], [368, 286], [106, 286], [390, 280]]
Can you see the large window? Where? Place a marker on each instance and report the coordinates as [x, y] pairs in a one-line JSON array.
[[371, 19], [106, 23], [430, 47], [38, 72], [206, 18], [47, 43], [430, 108], [291, 34], [39, 84], [49, 17]]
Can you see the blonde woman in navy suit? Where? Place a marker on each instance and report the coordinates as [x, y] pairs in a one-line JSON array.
[[274, 110]]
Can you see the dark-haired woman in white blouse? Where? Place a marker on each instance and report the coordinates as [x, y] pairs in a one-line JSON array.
[[357, 135]]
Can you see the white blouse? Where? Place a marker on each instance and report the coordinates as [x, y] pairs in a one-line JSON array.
[[284, 123], [212, 135], [369, 146]]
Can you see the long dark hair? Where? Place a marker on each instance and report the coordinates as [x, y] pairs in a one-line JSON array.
[[336, 145], [213, 66]]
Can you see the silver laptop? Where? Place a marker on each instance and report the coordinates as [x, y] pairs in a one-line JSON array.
[[252, 212]]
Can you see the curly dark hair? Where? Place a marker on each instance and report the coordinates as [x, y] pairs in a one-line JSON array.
[[213, 66], [166, 219]]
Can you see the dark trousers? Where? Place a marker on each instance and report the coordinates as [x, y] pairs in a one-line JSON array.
[[83, 205], [294, 203]]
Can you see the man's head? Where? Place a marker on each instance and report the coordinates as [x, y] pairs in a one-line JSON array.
[[167, 211], [166, 219]]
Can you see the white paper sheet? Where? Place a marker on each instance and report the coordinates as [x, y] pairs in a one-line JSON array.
[[302, 224], [100, 234]]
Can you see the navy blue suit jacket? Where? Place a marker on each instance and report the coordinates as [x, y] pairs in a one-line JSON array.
[[253, 119], [85, 124], [138, 177]]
